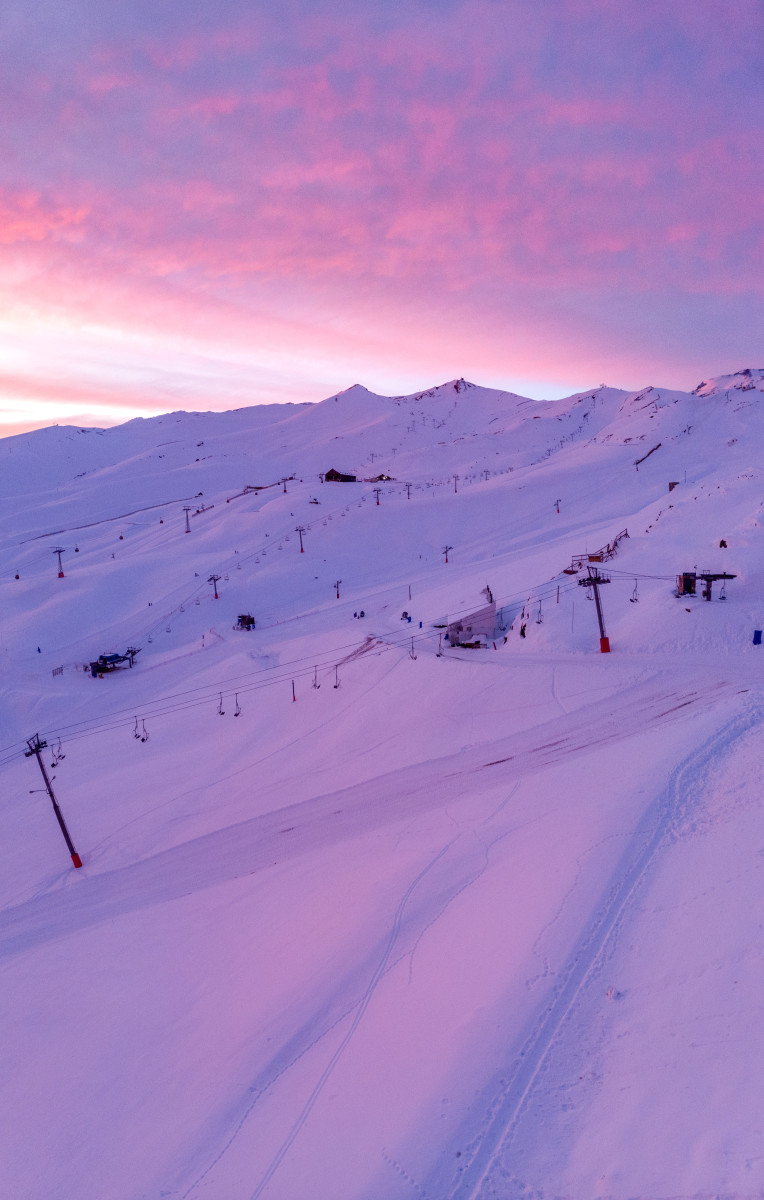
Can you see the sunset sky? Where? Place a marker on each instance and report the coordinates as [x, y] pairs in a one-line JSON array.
[[204, 206]]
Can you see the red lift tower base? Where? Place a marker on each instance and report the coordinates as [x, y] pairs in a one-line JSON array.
[[593, 580]]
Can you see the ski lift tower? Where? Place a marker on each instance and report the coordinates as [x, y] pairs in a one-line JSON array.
[[711, 577], [36, 746], [593, 580]]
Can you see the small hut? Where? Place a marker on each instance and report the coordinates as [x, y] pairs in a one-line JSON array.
[[481, 623], [686, 583], [334, 476]]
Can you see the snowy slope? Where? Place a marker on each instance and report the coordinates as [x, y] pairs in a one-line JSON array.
[[449, 923]]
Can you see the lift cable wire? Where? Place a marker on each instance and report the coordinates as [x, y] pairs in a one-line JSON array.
[[297, 668]]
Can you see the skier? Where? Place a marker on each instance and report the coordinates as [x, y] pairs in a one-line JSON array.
[[522, 629]]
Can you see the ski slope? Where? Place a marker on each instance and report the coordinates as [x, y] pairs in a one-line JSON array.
[[450, 922]]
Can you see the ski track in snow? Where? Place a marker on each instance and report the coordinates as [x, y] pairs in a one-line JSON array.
[[305, 1039], [661, 823], [357, 1018]]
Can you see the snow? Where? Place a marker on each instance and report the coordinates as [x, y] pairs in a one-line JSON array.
[[472, 923]]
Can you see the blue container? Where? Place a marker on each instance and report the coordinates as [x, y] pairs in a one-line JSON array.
[[757, 637]]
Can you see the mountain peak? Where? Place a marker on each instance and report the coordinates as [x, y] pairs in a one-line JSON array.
[[750, 379]]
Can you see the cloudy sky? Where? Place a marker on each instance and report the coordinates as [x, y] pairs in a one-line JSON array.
[[207, 205]]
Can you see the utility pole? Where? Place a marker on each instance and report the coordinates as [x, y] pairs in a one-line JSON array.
[[187, 509], [284, 481], [36, 748], [408, 491], [213, 579], [337, 586], [376, 493], [446, 550], [593, 580], [59, 550], [557, 505], [300, 530], [456, 479]]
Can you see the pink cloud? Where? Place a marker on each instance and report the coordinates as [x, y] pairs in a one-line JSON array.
[[28, 217], [210, 107], [103, 82], [475, 166]]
